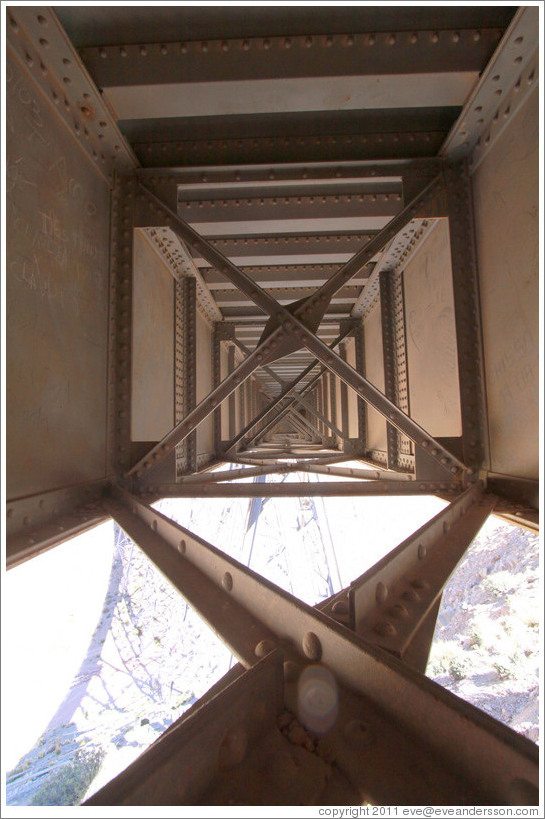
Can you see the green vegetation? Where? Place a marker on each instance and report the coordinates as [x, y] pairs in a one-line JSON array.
[[68, 785]]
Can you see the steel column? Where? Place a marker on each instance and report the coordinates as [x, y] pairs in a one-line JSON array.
[[359, 339], [386, 286], [216, 380], [344, 401], [467, 313], [186, 323], [232, 400]]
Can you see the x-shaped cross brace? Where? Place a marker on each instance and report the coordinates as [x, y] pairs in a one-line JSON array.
[[290, 328]]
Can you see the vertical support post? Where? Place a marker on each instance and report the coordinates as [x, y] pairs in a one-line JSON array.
[[333, 397], [232, 400], [386, 286], [405, 445], [242, 405], [216, 375], [186, 316], [359, 338], [120, 360], [321, 405], [344, 401], [467, 313]]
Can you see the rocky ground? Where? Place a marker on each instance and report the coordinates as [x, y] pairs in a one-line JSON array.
[[151, 656], [487, 641]]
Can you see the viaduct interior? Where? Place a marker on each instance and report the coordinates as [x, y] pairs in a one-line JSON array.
[[282, 238]]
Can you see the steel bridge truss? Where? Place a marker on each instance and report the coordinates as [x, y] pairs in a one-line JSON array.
[[290, 394]]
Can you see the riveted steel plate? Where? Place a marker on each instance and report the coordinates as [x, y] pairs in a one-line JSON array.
[[57, 219], [506, 192], [152, 344]]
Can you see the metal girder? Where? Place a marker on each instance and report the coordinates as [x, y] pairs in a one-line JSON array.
[[120, 330], [390, 369], [186, 355], [261, 58], [309, 310], [354, 472], [232, 404], [393, 598], [40, 44], [297, 173], [216, 380], [302, 422], [263, 209], [379, 401], [230, 726], [359, 340], [286, 489], [38, 522], [508, 66], [236, 474], [467, 314], [344, 401], [303, 401], [473, 759]]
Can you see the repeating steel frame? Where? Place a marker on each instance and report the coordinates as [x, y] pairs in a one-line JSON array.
[[374, 637]]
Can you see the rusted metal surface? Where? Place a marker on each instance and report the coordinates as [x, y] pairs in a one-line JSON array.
[[305, 634], [389, 602], [326, 489], [204, 746], [278, 237], [57, 231], [35, 523]]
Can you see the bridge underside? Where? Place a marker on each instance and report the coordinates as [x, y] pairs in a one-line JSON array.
[[286, 239]]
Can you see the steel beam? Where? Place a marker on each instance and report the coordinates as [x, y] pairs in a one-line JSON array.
[[386, 287], [386, 408], [287, 391], [358, 53], [216, 381], [312, 489], [273, 342], [471, 759], [203, 409], [186, 325], [359, 340], [299, 399], [41, 46], [236, 474], [274, 208], [35, 523], [232, 404], [391, 600], [467, 314], [344, 402], [363, 474], [236, 719]]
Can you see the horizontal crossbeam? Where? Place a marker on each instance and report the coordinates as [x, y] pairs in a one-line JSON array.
[[286, 489]]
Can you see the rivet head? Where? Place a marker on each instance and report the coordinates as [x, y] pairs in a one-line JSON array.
[[312, 646], [385, 629], [340, 608], [264, 647], [227, 581]]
